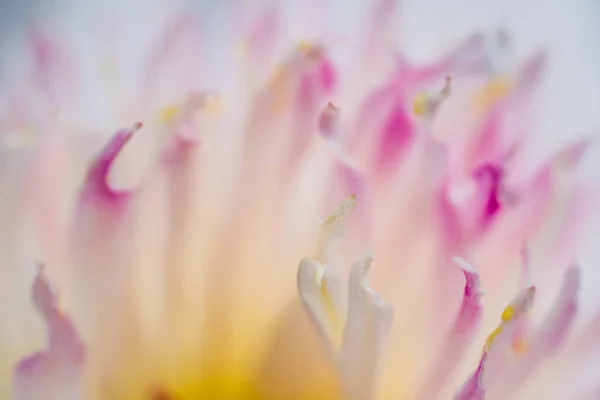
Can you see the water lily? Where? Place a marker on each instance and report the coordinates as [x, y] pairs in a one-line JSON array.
[[321, 231]]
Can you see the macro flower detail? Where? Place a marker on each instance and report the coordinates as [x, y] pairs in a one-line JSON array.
[[313, 229]]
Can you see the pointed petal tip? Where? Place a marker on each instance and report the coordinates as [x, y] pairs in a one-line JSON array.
[[463, 264], [42, 293], [329, 121], [473, 283], [97, 185], [368, 255]]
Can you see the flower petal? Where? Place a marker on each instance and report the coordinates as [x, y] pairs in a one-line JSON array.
[[473, 387], [545, 340], [97, 190], [329, 121], [456, 341], [319, 291], [493, 351], [366, 332], [57, 372]]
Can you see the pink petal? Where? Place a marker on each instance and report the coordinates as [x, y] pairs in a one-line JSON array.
[[456, 342], [493, 357], [506, 126], [469, 57], [396, 137], [329, 121], [186, 129], [473, 388], [97, 189], [544, 341], [46, 188], [285, 115], [57, 372], [263, 33]]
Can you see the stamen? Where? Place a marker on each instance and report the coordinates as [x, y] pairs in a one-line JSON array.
[[342, 213], [519, 306], [425, 104]]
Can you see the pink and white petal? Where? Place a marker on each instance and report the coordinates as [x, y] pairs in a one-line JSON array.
[[97, 190], [468, 57], [493, 360], [366, 333], [320, 293], [473, 388], [545, 340], [47, 189], [505, 128], [261, 36], [329, 122], [537, 212], [456, 342], [57, 372], [282, 123]]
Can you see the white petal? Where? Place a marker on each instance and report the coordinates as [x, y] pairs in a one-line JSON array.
[[367, 328], [319, 290]]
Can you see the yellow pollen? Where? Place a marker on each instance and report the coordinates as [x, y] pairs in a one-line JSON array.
[[508, 314], [169, 113], [419, 104], [343, 211], [492, 336]]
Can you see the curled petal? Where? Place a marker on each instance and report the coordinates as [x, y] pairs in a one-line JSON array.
[[366, 332], [456, 342], [56, 372], [473, 388], [470, 310], [319, 291], [97, 187]]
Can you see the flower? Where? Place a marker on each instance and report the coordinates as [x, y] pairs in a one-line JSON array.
[[208, 274]]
